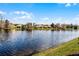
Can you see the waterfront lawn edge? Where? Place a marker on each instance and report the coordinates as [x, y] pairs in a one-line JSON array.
[[65, 49]]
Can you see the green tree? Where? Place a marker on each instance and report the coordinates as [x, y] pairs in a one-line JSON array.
[[29, 26], [23, 27], [52, 25], [75, 27]]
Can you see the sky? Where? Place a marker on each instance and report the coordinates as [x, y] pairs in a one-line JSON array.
[[40, 13]]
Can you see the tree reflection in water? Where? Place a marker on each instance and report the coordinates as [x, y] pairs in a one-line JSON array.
[[4, 35]]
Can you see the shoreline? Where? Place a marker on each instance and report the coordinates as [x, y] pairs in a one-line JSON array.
[[70, 48]]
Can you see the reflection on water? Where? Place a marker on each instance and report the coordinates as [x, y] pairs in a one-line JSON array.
[[27, 42], [4, 36]]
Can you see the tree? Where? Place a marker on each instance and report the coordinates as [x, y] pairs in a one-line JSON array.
[[6, 24], [70, 26], [29, 26], [22, 27], [75, 27], [52, 25]]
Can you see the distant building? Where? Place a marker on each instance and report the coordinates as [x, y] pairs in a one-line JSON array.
[[42, 25]]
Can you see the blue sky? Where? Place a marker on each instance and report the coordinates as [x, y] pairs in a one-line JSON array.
[[45, 13]]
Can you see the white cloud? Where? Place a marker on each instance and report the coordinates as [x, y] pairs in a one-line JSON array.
[[74, 3], [70, 4], [45, 18], [22, 16], [16, 12], [75, 20], [2, 12], [19, 17], [23, 13], [67, 5], [20, 12], [55, 20]]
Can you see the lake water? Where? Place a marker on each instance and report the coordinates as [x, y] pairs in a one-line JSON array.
[[27, 42]]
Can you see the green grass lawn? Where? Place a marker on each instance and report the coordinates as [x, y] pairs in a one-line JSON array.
[[68, 48]]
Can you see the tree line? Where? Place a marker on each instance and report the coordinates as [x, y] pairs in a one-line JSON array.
[[6, 25]]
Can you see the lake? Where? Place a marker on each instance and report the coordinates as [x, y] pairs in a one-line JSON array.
[[28, 42]]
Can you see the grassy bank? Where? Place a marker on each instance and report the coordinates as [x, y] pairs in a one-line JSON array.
[[68, 48]]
